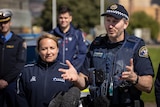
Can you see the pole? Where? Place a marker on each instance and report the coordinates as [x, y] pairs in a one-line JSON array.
[[54, 8], [101, 11]]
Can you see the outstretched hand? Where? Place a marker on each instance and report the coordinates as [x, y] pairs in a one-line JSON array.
[[70, 74]]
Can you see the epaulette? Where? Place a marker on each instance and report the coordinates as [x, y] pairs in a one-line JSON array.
[[99, 39]]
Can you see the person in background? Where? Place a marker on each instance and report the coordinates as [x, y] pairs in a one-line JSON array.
[[157, 87], [41, 84], [71, 42], [12, 59], [117, 65]]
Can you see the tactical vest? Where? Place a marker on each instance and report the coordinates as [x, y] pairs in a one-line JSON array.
[[108, 66]]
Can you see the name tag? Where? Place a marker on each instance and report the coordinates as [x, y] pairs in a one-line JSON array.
[[9, 46], [98, 54]]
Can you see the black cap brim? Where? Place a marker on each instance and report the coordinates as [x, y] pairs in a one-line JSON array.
[[113, 15], [5, 19]]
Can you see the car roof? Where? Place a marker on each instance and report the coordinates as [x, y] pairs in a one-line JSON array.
[[30, 38], [31, 42]]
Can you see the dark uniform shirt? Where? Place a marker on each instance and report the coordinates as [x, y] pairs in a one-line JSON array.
[[39, 82], [12, 57], [95, 59]]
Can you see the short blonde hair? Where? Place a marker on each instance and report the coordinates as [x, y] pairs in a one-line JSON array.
[[45, 35]]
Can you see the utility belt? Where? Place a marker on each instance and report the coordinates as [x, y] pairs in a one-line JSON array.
[[98, 83], [100, 89], [135, 103], [104, 102]]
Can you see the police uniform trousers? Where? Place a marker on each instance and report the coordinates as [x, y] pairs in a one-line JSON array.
[[8, 96]]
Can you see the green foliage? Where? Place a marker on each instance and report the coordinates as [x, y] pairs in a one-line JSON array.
[[154, 54], [86, 13], [45, 20], [142, 20]]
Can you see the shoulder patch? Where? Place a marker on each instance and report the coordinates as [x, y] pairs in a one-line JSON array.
[[143, 52]]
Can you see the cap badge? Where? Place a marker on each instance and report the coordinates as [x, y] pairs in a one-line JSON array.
[[113, 7]]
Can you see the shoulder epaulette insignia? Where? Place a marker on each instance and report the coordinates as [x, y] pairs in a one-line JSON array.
[[143, 52]]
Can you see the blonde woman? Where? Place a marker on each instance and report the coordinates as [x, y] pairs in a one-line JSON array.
[[39, 82]]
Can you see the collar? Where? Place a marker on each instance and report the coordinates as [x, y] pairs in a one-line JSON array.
[[45, 64], [58, 31], [7, 37]]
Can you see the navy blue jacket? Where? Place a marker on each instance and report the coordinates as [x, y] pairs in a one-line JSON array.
[[12, 58], [71, 46], [38, 83]]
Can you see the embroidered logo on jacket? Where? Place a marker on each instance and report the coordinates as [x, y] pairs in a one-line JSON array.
[[33, 79], [58, 79]]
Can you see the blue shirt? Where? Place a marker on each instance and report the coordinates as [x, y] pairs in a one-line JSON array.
[[7, 37]]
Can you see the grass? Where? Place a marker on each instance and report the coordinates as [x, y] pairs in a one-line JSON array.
[[154, 52]]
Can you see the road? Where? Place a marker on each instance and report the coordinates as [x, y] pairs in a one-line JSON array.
[[149, 104]]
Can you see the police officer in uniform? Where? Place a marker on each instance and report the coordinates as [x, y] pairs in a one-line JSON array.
[[120, 68], [12, 59]]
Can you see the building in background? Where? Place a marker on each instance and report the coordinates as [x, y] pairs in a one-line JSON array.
[[21, 21], [150, 7], [36, 7], [25, 11]]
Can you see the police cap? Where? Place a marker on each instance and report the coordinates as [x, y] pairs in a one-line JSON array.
[[117, 11], [5, 15]]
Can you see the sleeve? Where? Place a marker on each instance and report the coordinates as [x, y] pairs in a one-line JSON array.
[[21, 60], [21, 95], [142, 62], [82, 50], [157, 87]]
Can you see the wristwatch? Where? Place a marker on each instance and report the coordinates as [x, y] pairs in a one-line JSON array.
[[136, 82]]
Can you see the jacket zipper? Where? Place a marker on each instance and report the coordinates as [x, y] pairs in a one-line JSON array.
[[64, 46], [45, 79]]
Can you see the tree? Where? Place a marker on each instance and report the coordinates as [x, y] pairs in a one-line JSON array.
[[142, 20], [86, 13], [45, 20]]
